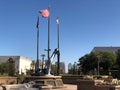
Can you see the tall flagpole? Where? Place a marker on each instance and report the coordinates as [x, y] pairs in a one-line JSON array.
[[37, 62], [58, 56], [46, 14], [49, 42]]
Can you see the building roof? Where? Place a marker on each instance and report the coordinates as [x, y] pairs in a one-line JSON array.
[[5, 58], [106, 49]]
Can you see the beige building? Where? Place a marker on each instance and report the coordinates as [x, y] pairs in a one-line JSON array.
[[22, 64]]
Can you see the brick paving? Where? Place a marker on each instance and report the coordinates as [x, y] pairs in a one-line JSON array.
[[68, 87]]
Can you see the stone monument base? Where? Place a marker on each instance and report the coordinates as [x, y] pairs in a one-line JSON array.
[[54, 81]]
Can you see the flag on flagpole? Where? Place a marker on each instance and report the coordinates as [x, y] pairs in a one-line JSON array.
[[57, 20], [45, 13], [37, 25]]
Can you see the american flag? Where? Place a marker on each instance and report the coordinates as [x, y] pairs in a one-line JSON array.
[[45, 13]]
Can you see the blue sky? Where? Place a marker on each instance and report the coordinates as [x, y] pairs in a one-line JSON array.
[[83, 25]]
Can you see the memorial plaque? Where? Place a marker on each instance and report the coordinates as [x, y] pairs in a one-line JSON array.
[[40, 82], [59, 83]]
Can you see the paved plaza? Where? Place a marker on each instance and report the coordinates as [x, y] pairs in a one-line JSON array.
[[23, 87], [68, 87]]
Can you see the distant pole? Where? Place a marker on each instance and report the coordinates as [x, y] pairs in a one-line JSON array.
[[58, 36]]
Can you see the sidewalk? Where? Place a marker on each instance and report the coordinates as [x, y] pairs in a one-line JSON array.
[[68, 87]]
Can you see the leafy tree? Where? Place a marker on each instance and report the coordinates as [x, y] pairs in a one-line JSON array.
[[85, 63], [4, 69], [117, 65], [11, 71], [8, 67], [108, 61], [98, 60], [11, 65], [73, 70], [70, 71]]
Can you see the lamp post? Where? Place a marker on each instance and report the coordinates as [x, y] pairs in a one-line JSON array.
[[98, 64]]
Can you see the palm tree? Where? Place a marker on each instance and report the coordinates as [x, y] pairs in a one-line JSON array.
[[43, 55], [32, 65]]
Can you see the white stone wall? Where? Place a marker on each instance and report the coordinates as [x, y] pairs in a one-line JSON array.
[[24, 65]]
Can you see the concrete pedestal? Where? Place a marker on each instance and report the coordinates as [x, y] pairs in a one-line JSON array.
[[54, 81]]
